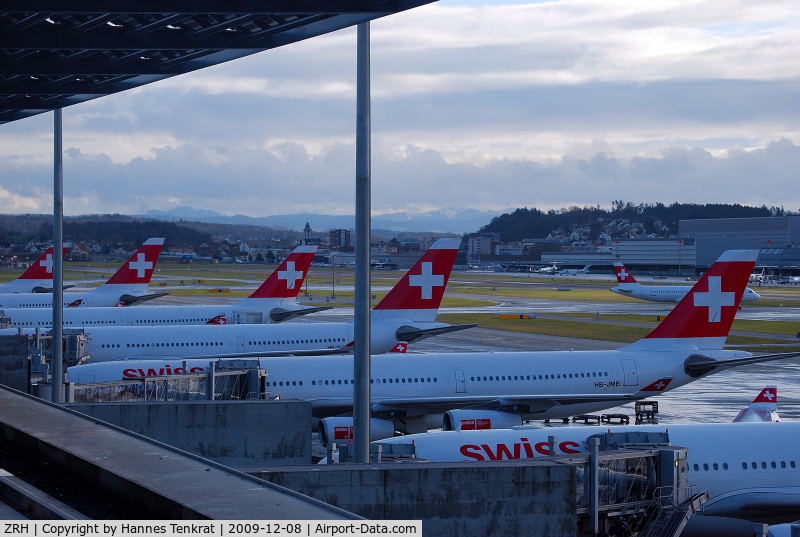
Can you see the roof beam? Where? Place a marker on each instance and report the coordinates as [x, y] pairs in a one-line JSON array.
[[293, 7]]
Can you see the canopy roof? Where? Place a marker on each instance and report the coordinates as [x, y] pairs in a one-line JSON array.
[[54, 53]]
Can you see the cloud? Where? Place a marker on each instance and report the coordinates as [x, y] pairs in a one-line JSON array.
[[489, 106]]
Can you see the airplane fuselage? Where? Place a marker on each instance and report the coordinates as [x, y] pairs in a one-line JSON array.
[[666, 293], [750, 470], [167, 342], [142, 315], [417, 384]]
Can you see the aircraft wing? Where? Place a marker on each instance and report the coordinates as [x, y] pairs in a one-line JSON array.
[[412, 333], [697, 364], [129, 300], [278, 315], [517, 404]]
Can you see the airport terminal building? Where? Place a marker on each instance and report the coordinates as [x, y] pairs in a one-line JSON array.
[[698, 245]]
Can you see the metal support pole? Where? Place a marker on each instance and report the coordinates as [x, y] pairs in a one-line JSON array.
[[361, 373], [58, 261], [552, 442], [594, 491]]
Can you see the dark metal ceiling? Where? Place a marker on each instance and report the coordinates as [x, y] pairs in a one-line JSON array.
[[54, 53]]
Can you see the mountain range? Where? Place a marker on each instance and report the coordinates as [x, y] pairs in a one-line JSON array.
[[445, 220]]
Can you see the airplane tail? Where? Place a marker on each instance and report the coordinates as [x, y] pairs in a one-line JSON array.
[[42, 269], [134, 276], [281, 288], [418, 295], [623, 276], [763, 408], [703, 318], [287, 279]]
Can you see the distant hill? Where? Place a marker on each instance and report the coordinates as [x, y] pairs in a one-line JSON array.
[[447, 220], [623, 220]]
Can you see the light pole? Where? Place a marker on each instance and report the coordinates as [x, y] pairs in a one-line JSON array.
[[333, 279]]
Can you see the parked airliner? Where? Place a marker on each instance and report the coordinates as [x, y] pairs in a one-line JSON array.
[[127, 286], [750, 468], [273, 301], [407, 313], [628, 286], [38, 278], [410, 393]]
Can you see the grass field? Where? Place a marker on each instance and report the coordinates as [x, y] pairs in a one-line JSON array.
[[625, 334], [787, 328], [587, 295]]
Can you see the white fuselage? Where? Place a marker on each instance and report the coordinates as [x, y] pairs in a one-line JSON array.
[[24, 286], [747, 468], [146, 315], [107, 295], [667, 293], [168, 342], [422, 384]]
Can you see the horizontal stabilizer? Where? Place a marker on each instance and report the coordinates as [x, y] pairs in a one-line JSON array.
[[40, 289], [411, 333], [698, 365], [129, 300], [278, 315]]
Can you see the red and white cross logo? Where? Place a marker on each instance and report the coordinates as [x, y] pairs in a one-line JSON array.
[[769, 395], [427, 280], [140, 265], [47, 263], [714, 299], [623, 274], [291, 275], [660, 385]]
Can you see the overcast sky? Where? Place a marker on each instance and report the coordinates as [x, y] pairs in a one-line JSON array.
[[476, 104]]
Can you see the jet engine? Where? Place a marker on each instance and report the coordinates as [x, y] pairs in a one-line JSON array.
[[340, 430], [470, 420]]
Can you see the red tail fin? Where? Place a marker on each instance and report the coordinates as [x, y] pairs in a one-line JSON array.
[[623, 276], [139, 268], [768, 395], [764, 407], [287, 280], [703, 318], [422, 287], [400, 348], [42, 269]]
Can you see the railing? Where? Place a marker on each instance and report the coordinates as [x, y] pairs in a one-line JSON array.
[[626, 479], [228, 385]]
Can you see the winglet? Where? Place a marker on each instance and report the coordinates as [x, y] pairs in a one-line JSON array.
[[658, 386], [703, 317], [763, 408], [401, 348], [419, 292]]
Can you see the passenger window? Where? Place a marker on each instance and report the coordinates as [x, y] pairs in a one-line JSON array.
[[763, 465], [783, 464], [705, 466], [724, 465], [716, 467], [696, 467], [744, 466], [755, 466], [774, 465]]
